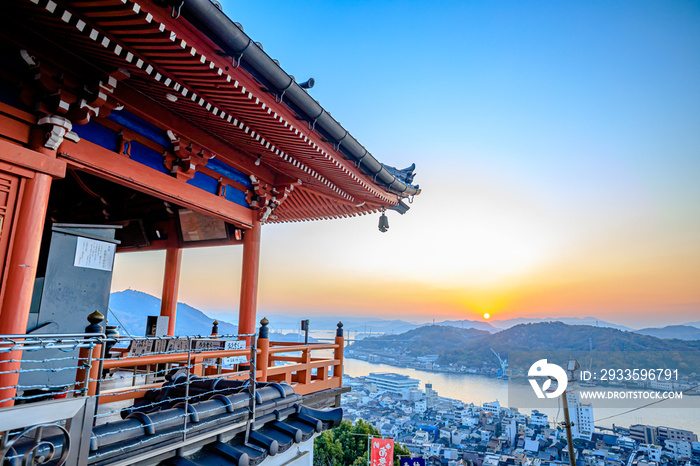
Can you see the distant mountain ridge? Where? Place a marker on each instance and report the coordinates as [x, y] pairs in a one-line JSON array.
[[592, 321], [681, 332], [366, 326], [136, 305]]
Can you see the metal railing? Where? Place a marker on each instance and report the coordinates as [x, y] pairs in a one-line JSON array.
[[160, 387]]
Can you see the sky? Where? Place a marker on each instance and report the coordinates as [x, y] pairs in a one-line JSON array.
[[557, 145]]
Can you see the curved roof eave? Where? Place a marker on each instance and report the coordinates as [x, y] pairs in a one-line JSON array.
[[224, 32]]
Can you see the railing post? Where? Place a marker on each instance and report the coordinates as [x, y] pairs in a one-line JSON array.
[[306, 361], [90, 356], [263, 361], [338, 354]]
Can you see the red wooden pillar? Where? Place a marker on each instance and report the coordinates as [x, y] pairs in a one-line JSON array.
[[249, 280], [171, 286], [21, 272]]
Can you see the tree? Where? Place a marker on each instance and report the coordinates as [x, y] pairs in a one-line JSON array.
[[346, 445]]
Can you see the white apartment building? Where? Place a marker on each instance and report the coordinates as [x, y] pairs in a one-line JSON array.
[[652, 451], [412, 395], [485, 435], [431, 396], [581, 416], [539, 419], [390, 382], [421, 437], [678, 448], [492, 407], [468, 419]]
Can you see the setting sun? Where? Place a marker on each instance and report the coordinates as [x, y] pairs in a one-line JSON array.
[[487, 315]]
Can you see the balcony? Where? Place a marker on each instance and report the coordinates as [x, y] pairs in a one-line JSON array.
[[93, 399]]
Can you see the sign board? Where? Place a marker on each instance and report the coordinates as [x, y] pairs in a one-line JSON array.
[[93, 254], [418, 461], [177, 346], [140, 347], [159, 346], [234, 344], [216, 345], [202, 346], [382, 452]]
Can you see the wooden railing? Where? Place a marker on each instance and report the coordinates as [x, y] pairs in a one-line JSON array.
[[297, 364]]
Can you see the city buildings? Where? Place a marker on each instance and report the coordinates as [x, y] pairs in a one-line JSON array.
[[653, 434], [451, 433], [392, 383]]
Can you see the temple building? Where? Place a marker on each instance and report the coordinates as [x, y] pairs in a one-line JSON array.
[[139, 125]]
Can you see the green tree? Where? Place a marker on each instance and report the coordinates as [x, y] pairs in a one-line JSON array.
[[346, 445]]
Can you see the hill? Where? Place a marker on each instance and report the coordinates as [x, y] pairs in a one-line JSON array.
[[681, 332], [430, 339], [596, 347]]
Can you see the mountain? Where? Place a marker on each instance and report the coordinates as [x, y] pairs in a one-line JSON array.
[[525, 343], [129, 309], [592, 321], [694, 324], [475, 324], [681, 332]]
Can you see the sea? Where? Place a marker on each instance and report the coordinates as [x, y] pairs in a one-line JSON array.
[[478, 389]]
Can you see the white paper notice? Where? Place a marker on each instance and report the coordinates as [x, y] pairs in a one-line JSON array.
[[93, 254], [234, 344]]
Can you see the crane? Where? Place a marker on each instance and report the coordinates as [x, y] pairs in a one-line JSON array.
[[504, 364]]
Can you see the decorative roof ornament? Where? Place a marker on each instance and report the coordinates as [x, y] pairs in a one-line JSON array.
[[406, 175]]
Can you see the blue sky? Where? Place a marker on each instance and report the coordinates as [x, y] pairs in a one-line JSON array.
[[557, 143]]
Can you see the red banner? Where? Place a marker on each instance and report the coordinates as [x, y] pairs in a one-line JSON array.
[[382, 452]]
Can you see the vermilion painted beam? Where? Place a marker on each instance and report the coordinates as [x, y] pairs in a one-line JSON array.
[[159, 245], [27, 158], [107, 164]]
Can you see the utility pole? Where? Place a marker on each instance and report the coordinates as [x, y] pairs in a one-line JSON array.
[[571, 367], [369, 449]]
